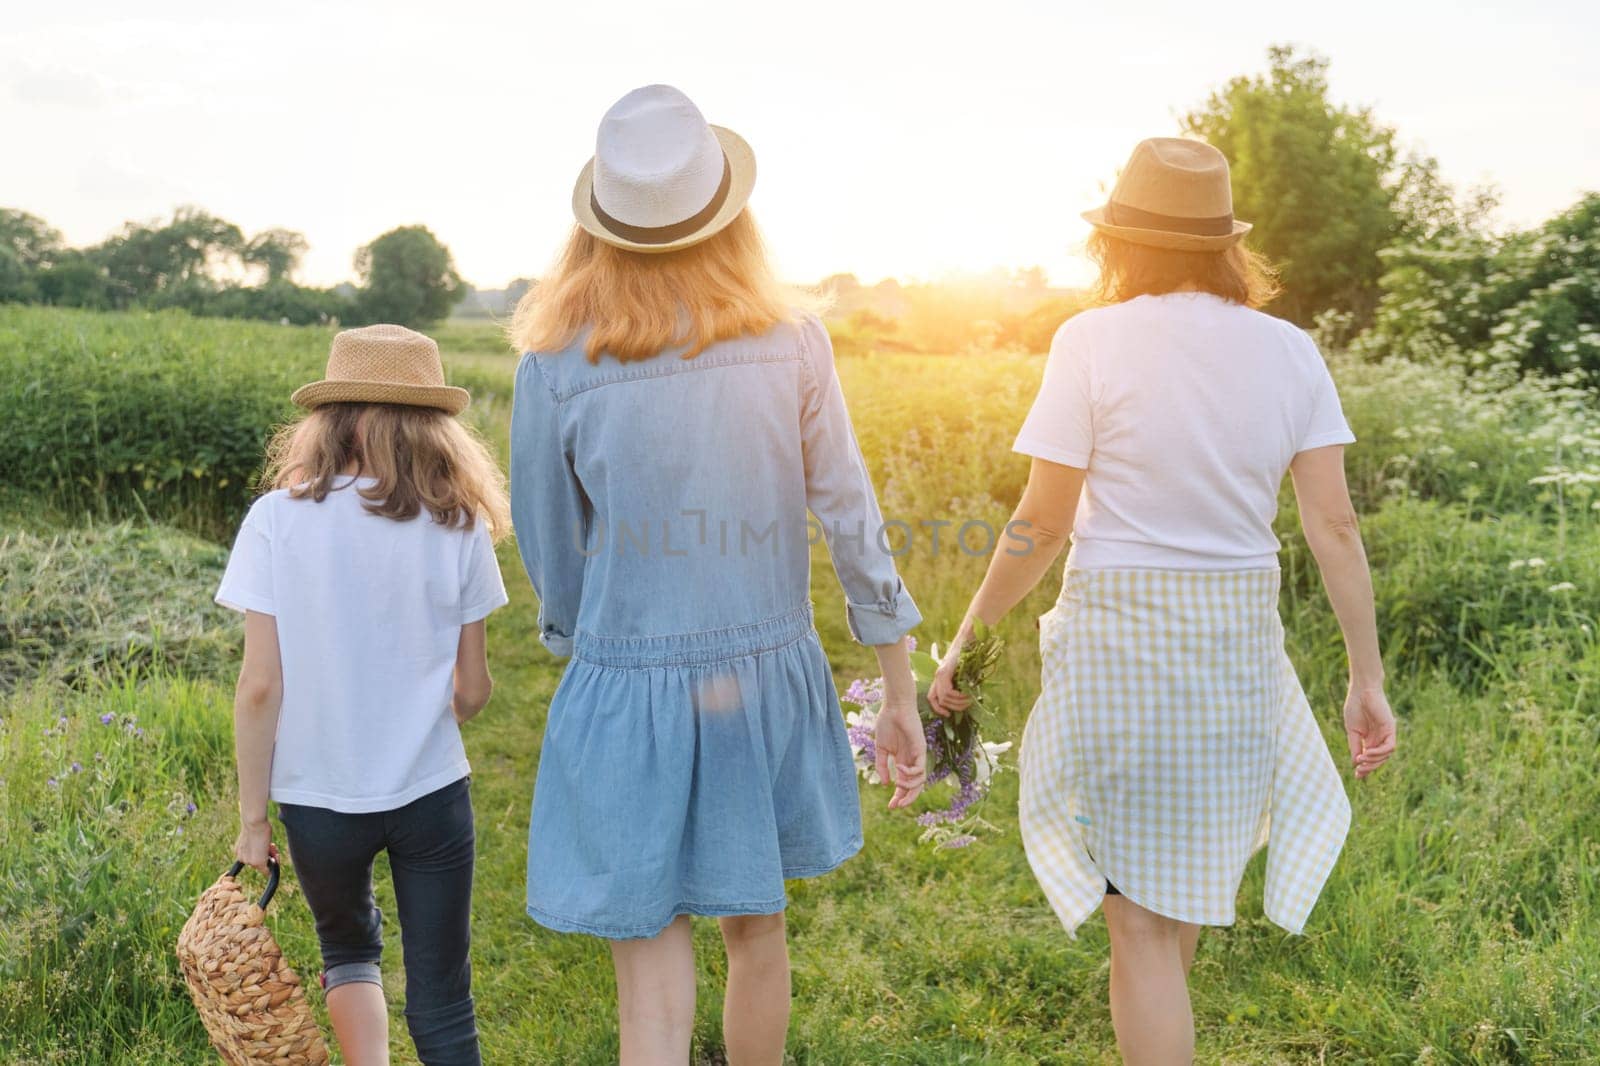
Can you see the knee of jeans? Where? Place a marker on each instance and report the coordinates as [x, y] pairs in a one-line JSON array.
[[350, 934], [437, 985], [349, 973]]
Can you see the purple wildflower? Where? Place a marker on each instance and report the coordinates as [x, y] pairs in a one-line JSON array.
[[911, 643], [863, 693], [862, 737], [965, 770], [189, 808], [107, 718], [62, 721], [77, 767], [52, 782], [959, 841]]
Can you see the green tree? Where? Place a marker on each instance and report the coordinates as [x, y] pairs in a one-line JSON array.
[[408, 277], [171, 264], [1327, 186], [277, 251], [76, 279], [27, 246]]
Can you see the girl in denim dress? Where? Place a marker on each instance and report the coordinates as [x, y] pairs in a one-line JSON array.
[[674, 423]]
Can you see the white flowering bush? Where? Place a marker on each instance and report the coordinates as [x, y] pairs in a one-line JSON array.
[[1529, 299]]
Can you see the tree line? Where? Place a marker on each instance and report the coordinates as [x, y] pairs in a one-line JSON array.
[[1372, 245], [208, 266]]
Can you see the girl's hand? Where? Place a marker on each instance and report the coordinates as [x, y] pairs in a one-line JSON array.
[[899, 735], [943, 696], [1369, 724], [254, 845]]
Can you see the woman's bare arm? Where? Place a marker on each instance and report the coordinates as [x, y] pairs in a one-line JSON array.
[[1033, 539], [1333, 534]]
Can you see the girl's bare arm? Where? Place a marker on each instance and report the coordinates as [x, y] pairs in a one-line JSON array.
[[473, 684], [256, 702]]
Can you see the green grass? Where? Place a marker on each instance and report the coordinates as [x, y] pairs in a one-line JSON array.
[[1462, 924]]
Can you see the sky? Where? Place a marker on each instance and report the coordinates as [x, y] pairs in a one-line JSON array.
[[912, 140]]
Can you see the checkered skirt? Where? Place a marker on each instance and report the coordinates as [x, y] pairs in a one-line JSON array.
[[1170, 739]]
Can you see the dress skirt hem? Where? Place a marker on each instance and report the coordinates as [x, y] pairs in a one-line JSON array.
[[689, 773], [560, 924]]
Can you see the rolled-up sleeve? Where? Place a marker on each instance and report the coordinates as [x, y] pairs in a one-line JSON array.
[[839, 494], [548, 507]]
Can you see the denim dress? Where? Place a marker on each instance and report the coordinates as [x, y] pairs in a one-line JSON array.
[[695, 754]]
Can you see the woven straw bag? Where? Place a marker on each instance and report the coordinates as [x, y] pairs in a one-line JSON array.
[[249, 999]]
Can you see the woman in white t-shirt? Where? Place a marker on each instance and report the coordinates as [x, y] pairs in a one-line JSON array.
[[1170, 732], [365, 577]]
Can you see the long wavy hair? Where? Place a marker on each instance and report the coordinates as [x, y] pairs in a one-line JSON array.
[[1128, 270], [421, 459], [636, 304]]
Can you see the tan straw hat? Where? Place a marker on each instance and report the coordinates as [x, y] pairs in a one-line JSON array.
[[1174, 193], [662, 177], [384, 364]]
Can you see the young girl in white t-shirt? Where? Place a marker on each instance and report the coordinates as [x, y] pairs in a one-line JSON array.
[[365, 577]]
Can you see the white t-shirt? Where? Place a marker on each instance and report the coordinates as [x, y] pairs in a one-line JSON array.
[[369, 613], [1185, 410]]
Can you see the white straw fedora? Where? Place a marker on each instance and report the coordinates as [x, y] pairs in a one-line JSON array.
[[1174, 193], [662, 177], [383, 364]]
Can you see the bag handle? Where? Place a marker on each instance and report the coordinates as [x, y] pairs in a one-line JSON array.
[[272, 879]]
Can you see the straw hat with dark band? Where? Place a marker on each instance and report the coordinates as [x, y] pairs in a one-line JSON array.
[[662, 177], [1174, 193], [384, 364]]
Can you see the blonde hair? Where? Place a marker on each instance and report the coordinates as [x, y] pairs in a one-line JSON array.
[[635, 304], [1127, 270], [420, 458]]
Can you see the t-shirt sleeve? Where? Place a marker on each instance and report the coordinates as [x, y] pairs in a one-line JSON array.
[[482, 592], [1060, 425], [1327, 425], [247, 581]]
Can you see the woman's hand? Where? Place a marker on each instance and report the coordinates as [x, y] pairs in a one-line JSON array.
[[900, 737], [943, 696], [1369, 724], [254, 844]]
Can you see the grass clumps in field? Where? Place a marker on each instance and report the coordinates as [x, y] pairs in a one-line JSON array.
[[104, 598]]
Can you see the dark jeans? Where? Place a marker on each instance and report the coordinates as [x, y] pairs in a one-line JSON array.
[[430, 844]]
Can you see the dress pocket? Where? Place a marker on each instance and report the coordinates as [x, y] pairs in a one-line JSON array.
[[1052, 645]]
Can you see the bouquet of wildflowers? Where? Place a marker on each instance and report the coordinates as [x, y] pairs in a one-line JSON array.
[[958, 756]]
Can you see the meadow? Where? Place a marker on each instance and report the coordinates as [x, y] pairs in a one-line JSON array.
[[1462, 924]]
